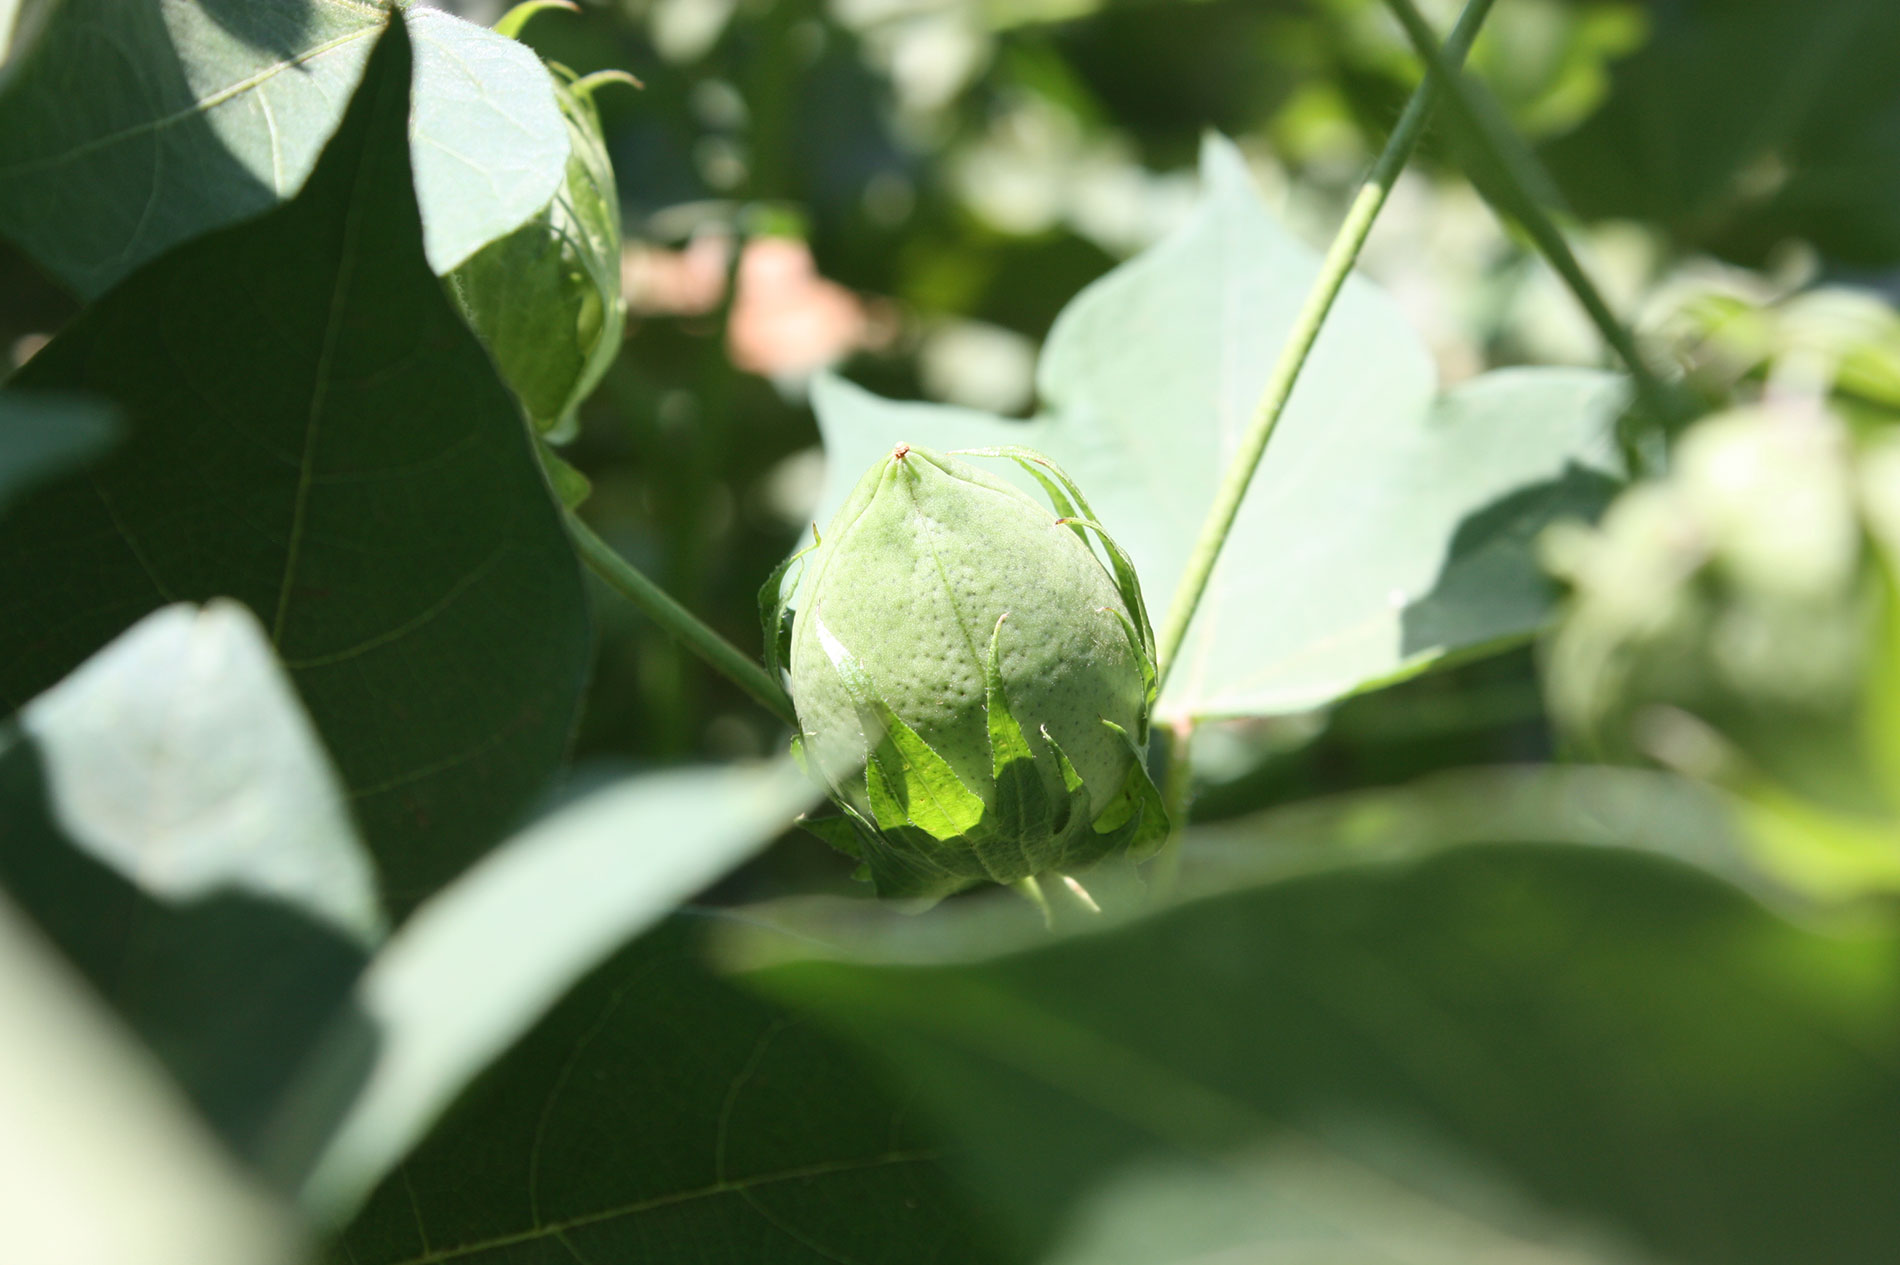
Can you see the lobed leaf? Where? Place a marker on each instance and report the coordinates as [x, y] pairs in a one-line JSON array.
[[1387, 526]]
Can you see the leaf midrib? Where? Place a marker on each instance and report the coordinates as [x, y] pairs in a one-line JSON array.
[[203, 105], [319, 391]]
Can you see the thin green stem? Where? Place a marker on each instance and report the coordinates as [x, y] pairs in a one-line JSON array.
[[679, 623], [1334, 270], [1520, 173]]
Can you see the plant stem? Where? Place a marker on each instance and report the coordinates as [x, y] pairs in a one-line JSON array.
[[1521, 173], [679, 623], [1334, 270]]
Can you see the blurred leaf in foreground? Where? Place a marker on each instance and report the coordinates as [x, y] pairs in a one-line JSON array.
[[100, 1158], [1518, 1050]]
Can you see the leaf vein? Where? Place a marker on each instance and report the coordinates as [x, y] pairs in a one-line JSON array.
[[734, 1186], [200, 106]]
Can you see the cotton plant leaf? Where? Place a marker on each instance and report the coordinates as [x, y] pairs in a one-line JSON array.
[[479, 965], [180, 757], [128, 129], [311, 430], [171, 822], [1367, 1040], [545, 299], [658, 1113], [1388, 526]]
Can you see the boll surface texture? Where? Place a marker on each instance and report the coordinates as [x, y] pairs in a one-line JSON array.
[[972, 681]]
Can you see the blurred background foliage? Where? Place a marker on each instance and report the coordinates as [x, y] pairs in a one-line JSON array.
[[910, 190]]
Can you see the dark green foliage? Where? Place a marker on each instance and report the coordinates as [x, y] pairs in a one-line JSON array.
[[661, 1113], [313, 431], [1411, 1052]]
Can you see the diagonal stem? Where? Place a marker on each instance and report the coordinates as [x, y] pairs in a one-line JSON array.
[[1334, 270], [679, 623], [1520, 174]]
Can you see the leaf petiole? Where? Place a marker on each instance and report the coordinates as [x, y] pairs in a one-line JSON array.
[[678, 622], [1514, 197]]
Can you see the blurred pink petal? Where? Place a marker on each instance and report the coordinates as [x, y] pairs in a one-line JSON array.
[[787, 321], [686, 282]]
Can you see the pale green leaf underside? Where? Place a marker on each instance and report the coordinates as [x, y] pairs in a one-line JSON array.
[[133, 127], [180, 756], [1384, 529]]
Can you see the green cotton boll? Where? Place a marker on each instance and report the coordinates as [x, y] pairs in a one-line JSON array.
[[545, 299], [972, 681]]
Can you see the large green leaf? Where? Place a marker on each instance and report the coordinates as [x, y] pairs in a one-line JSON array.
[[314, 431], [169, 819], [1383, 530], [1743, 123], [479, 964], [658, 1114], [102, 1160], [131, 128], [1509, 1052]]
